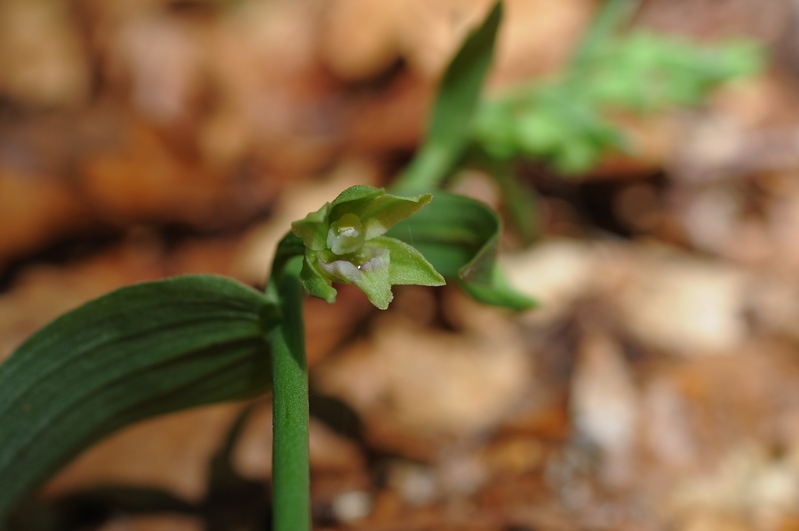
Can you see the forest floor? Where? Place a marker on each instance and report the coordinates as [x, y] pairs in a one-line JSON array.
[[657, 387]]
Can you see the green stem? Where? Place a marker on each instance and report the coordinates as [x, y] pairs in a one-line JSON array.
[[290, 467], [426, 170]]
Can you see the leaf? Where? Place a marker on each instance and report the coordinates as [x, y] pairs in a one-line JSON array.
[[137, 352], [459, 237], [499, 293], [458, 96], [521, 204], [566, 121]]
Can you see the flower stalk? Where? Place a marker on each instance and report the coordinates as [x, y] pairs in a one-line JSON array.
[[290, 416]]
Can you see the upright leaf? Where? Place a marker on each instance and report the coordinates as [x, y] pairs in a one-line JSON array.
[[458, 96], [138, 352], [611, 16]]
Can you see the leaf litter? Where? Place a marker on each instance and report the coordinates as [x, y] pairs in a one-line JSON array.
[[655, 389]]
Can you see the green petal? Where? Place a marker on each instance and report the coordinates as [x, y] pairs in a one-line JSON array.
[[371, 275], [407, 266], [313, 228], [355, 200], [377, 210], [385, 211], [315, 281]]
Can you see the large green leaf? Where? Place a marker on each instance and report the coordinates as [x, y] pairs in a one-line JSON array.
[[458, 96], [138, 352], [459, 237]]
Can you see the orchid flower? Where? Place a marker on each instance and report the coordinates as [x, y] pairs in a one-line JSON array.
[[344, 242]]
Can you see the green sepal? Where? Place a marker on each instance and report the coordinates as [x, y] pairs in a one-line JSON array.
[[359, 192], [377, 210], [314, 281], [353, 200], [408, 266], [313, 228]]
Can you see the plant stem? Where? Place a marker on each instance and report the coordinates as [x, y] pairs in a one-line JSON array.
[[290, 468], [427, 169]]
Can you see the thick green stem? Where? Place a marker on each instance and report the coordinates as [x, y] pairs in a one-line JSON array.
[[290, 467]]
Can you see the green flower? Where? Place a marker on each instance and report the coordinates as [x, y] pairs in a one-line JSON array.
[[344, 242]]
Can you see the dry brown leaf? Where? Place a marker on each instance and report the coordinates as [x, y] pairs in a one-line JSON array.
[[42, 62], [427, 383]]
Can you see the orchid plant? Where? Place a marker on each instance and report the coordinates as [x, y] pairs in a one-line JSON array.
[[345, 242], [163, 346]]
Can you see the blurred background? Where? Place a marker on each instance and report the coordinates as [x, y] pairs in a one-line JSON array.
[[656, 388]]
